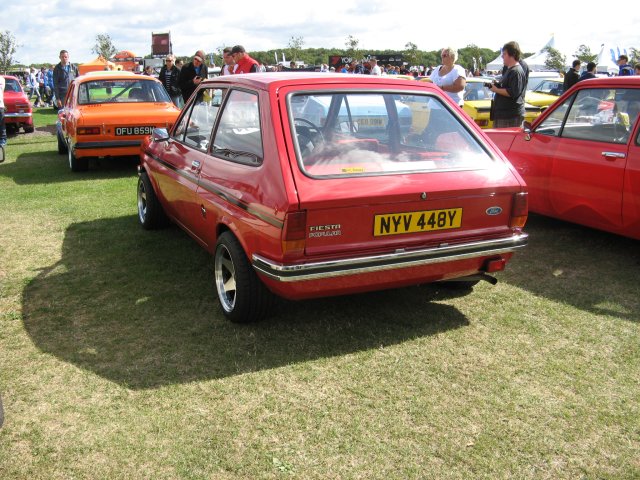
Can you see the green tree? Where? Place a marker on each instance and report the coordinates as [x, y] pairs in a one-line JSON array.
[[8, 48], [584, 54], [411, 54], [295, 45], [352, 47], [104, 46], [555, 60]]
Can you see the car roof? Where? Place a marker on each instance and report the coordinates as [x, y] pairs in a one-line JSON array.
[[273, 80], [11, 77], [626, 81], [112, 75]]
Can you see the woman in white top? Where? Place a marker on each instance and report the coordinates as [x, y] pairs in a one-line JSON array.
[[449, 76]]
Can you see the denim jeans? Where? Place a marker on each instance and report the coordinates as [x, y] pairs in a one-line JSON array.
[[3, 129]]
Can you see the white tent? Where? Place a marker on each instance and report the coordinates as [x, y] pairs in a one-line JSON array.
[[606, 61], [535, 62]]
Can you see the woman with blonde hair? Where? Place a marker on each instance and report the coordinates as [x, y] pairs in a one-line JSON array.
[[449, 76]]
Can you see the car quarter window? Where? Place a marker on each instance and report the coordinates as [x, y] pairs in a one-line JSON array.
[[195, 125], [364, 133], [238, 136], [596, 114], [202, 117]]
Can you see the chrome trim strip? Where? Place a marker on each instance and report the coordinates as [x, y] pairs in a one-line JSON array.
[[17, 115], [111, 144], [210, 187], [374, 263]]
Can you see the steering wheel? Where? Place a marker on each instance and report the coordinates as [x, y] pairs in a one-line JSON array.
[[309, 136]]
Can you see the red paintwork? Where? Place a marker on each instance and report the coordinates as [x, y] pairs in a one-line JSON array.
[[570, 179], [252, 202], [17, 108]]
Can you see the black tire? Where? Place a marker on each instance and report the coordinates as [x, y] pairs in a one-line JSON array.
[[150, 211], [29, 128], [77, 164], [242, 295], [62, 145]]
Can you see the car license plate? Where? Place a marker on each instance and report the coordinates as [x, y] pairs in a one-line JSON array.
[[124, 131], [413, 222], [371, 122]]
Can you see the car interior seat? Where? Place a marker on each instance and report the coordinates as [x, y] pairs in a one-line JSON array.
[[136, 94]]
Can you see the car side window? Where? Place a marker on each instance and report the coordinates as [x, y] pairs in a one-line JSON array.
[[238, 136], [198, 118], [601, 115], [552, 125], [202, 118]]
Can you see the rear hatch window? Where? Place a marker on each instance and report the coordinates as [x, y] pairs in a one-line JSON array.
[[358, 134]]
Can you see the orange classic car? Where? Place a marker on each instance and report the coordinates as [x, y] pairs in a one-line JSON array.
[[107, 114]]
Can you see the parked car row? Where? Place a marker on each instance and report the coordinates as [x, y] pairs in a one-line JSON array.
[[309, 185]]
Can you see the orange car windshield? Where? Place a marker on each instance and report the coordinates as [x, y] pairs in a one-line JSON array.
[[121, 91]]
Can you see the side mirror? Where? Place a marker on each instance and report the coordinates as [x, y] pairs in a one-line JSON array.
[[160, 135], [526, 128]]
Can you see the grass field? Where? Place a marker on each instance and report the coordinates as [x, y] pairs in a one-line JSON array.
[[116, 361]]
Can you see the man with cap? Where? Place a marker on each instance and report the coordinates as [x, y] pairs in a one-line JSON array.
[[244, 63], [192, 74]]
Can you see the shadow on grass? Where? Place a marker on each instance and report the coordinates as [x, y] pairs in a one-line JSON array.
[[139, 309], [589, 269], [50, 167]]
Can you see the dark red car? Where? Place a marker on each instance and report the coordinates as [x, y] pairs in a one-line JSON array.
[[17, 108], [309, 185], [581, 158]]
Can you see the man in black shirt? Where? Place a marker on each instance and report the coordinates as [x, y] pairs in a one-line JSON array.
[[508, 102], [572, 76]]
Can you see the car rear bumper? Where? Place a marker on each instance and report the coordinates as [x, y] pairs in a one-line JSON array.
[[396, 260], [112, 148], [20, 116]]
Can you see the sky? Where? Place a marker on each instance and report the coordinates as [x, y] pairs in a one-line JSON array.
[[43, 28]]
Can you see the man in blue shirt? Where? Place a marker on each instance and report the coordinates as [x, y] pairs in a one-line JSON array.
[[63, 74], [623, 63]]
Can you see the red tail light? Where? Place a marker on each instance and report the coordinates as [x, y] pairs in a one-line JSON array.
[[294, 232], [88, 130], [494, 265], [519, 210]]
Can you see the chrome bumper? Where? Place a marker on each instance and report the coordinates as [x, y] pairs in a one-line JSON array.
[[17, 115], [398, 259]]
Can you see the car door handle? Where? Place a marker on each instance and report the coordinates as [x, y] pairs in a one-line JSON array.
[[613, 155], [195, 165]]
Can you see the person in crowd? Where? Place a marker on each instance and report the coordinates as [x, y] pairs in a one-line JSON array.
[[572, 76], [356, 67], [41, 76], [48, 85], [34, 87], [192, 74], [148, 71], [169, 74], [63, 74], [228, 64], [508, 102], [179, 63], [590, 72], [244, 63], [293, 65], [3, 129], [374, 68], [637, 68], [623, 63], [450, 77]]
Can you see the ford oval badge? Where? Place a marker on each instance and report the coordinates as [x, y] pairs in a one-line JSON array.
[[494, 211]]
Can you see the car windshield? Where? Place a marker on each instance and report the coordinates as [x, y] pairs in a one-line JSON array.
[[355, 134], [477, 91], [133, 90], [12, 85]]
